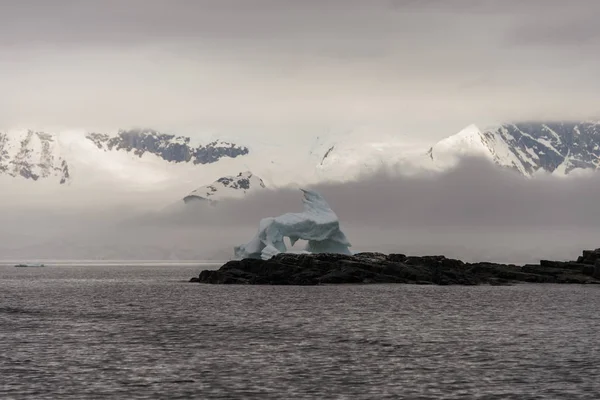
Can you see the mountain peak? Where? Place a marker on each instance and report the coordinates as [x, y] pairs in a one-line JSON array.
[[468, 142], [62, 156], [227, 187], [557, 147], [32, 155]]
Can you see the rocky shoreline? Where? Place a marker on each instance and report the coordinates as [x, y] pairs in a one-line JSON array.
[[362, 268]]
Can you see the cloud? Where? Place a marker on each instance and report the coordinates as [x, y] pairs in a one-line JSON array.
[[474, 212], [276, 69], [287, 69], [475, 194]]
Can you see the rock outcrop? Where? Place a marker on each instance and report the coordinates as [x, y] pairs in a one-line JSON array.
[[170, 148], [314, 269]]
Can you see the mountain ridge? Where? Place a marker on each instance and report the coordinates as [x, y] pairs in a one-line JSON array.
[[169, 147], [38, 155], [556, 147], [152, 158]]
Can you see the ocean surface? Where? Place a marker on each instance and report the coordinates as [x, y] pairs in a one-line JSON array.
[[129, 332]]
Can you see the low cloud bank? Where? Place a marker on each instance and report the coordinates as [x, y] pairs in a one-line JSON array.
[[474, 212], [475, 194]]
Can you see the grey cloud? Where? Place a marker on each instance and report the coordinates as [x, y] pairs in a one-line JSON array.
[[421, 69], [476, 194], [512, 7], [146, 21], [276, 24], [475, 212], [580, 33], [552, 23]]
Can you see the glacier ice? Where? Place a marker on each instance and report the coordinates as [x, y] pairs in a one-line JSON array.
[[317, 224]]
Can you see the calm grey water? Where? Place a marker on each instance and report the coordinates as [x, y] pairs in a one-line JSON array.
[[144, 332]]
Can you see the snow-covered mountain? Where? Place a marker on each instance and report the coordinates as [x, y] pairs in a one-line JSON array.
[[33, 155], [148, 160], [554, 147], [151, 161], [168, 147], [137, 176], [138, 159], [227, 187]]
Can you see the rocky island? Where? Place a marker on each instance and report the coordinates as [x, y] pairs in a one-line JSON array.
[[324, 268], [327, 259]]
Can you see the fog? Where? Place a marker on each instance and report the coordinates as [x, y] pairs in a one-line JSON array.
[[475, 194], [473, 212]]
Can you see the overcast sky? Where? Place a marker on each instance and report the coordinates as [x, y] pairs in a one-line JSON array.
[[421, 69]]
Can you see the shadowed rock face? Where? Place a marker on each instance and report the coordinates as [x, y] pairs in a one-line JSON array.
[[314, 269], [169, 147]]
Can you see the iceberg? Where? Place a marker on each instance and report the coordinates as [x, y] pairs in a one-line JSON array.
[[317, 224]]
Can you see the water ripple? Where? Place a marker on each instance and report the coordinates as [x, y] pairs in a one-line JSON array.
[[110, 332]]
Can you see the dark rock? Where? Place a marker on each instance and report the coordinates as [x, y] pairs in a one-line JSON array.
[[313, 269], [596, 271], [371, 256], [396, 257], [589, 257], [169, 147]]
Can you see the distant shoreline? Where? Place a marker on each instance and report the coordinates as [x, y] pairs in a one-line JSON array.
[[93, 263]]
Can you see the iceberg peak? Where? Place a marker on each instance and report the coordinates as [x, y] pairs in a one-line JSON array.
[[317, 224]]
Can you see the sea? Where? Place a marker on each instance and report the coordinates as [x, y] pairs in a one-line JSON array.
[[142, 331]]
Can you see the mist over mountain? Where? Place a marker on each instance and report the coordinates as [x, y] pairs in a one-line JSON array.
[[153, 161], [140, 194], [474, 210]]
